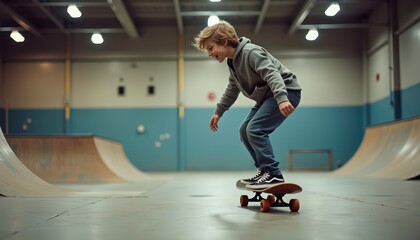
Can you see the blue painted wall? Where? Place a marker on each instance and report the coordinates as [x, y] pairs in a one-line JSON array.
[[38, 121], [192, 146], [215, 150], [337, 128], [410, 99], [382, 111]]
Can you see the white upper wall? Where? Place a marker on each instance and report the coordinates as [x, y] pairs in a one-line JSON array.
[[409, 12], [204, 77], [329, 69], [410, 56], [409, 50], [325, 81], [378, 65], [32, 85], [329, 81], [95, 84]]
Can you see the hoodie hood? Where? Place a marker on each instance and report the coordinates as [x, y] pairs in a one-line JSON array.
[[242, 42]]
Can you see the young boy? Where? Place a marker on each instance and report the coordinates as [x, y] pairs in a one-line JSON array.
[[259, 76]]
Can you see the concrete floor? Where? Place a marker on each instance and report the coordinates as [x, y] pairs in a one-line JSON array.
[[206, 206]]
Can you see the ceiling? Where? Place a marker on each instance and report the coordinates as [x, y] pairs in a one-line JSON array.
[[40, 17]]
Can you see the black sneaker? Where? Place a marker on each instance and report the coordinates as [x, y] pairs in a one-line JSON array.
[[265, 181], [253, 179]]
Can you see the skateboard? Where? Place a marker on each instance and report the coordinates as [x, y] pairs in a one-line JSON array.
[[274, 198]]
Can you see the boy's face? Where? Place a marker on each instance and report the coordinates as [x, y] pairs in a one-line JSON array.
[[219, 52]]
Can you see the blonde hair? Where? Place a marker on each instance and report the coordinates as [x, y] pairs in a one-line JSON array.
[[218, 32]]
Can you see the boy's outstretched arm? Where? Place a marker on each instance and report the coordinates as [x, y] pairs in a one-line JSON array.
[[213, 122]]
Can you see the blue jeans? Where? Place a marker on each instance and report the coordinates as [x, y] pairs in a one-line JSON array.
[[261, 121]]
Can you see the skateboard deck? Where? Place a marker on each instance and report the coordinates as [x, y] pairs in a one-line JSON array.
[[275, 197]]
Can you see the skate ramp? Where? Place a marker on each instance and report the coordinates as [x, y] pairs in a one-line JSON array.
[[113, 155], [387, 151], [63, 159], [18, 181], [405, 162], [372, 144]]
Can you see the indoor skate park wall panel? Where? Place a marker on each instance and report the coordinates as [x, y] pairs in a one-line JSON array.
[[118, 117], [331, 75], [410, 82], [35, 95], [136, 64], [380, 92], [30, 72], [325, 108], [99, 109]]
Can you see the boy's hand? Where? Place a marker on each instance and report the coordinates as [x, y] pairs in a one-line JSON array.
[[213, 122], [286, 108]]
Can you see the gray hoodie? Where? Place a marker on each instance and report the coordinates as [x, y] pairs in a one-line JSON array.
[[257, 74]]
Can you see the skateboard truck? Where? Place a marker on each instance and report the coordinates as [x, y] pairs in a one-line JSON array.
[[274, 197], [269, 202]]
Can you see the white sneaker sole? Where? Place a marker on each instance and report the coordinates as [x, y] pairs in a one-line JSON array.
[[262, 186]]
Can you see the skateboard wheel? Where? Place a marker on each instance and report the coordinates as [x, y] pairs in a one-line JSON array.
[[244, 200], [294, 205], [271, 199], [265, 205]]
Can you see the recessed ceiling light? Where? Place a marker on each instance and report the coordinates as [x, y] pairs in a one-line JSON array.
[[332, 10], [73, 11], [15, 35], [312, 35], [97, 38], [213, 19]]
